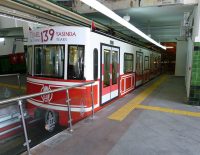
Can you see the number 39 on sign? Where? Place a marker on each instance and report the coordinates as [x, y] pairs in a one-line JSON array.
[[47, 35]]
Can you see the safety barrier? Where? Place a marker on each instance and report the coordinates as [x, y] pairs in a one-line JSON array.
[[18, 77], [24, 97]]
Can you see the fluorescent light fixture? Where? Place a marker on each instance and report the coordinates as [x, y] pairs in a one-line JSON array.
[[168, 47], [2, 39], [109, 13], [127, 18]]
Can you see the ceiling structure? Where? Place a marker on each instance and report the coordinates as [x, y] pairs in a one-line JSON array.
[[47, 13], [162, 23], [161, 19]]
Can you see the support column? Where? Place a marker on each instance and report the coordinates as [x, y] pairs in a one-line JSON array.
[[194, 97], [194, 93]]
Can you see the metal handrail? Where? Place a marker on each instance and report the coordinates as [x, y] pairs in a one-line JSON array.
[[3, 75], [24, 97]]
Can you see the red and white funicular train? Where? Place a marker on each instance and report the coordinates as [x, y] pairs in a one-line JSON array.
[[67, 55]]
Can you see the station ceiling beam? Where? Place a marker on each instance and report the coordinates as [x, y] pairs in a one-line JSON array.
[[50, 11]]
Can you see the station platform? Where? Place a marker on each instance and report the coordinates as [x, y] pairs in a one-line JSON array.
[[152, 120]]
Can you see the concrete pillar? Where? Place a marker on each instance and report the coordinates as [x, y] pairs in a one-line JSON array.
[[194, 96], [181, 53], [195, 79], [196, 27]]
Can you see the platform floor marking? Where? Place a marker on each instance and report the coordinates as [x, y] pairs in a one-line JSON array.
[[12, 86], [123, 112], [168, 110]]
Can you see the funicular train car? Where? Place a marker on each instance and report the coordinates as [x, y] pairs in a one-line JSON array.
[[66, 55]]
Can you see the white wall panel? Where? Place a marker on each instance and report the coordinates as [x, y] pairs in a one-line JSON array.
[[188, 66], [181, 53]]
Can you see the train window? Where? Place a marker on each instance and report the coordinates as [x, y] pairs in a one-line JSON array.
[[151, 62], [75, 62], [155, 62], [128, 62], [139, 63], [106, 68], [159, 62], [114, 66], [38, 60], [29, 60], [146, 62], [49, 61], [95, 61]]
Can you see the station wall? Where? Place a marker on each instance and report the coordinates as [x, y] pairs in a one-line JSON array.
[[14, 32], [188, 68], [181, 51], [6, 47], [193, 59], [196, 26]]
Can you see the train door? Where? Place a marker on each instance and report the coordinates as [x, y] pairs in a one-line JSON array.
[[151, 66], [139, 68], [109, 73]]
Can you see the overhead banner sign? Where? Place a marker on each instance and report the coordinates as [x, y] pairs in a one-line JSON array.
[[58, 35]]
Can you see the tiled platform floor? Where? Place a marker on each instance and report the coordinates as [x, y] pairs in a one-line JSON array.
[[142, 132]]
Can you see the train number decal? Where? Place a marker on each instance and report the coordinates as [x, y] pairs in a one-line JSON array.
[[47, 35]]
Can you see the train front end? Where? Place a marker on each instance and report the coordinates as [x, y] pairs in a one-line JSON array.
[[56, 58]]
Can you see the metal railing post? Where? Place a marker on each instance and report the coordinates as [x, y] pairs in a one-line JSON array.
[[69, 111], [92, 97], [24, 127], [19, 82]]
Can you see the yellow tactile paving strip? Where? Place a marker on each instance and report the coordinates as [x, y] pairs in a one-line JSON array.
[[12, 86], [167, 110], [123, 112]]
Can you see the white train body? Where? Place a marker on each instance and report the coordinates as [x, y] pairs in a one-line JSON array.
[[65, 55]]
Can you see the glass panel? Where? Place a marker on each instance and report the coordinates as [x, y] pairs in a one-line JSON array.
[[139, 64], [38, 60], [146, 62], [114, 66], [106, 68], [159, 62], [95, 63], [29, 60], [128, 62], [11, 131], [155, 62], [151, 62], [49, 61], [76, 62]]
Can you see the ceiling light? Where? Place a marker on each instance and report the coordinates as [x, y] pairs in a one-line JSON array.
[[127, 18], [169, 47], [104, 10], [2, 39]]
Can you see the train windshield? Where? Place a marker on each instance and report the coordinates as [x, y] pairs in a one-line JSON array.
[[75, 62], [49, 61]]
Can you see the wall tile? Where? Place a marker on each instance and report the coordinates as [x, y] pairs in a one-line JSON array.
[[194, 98]]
